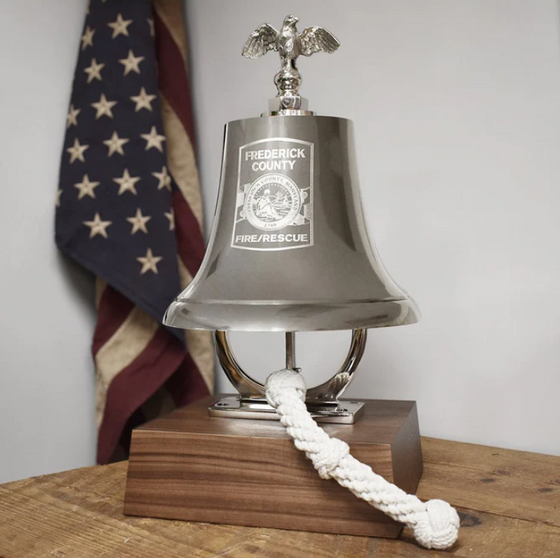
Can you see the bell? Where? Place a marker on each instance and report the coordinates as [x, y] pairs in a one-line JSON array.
[[289, 249]]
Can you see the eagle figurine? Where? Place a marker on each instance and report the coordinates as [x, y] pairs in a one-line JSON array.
[[288, 42]]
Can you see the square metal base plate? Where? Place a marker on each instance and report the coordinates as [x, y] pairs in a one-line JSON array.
[[342, 412]]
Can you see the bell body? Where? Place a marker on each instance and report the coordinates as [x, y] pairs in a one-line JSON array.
[[289, 249]]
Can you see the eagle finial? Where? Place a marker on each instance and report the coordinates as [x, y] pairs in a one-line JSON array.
[[289, 44]]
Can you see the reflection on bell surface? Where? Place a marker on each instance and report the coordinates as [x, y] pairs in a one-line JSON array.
[[289, 249]]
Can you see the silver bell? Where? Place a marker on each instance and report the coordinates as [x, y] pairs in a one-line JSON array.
[[289, 249]]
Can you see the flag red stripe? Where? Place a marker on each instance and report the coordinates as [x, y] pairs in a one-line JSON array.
[[172, 76], [113, 310], [134, 385], [186, 385], [134, 421], [190, 243]]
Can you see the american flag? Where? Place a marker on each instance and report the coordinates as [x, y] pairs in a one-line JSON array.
[[129, 210]]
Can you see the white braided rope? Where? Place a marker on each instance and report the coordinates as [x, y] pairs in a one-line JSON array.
[[435, 523]]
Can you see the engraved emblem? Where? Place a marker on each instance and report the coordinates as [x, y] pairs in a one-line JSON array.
[[274, 205], [273, 202]]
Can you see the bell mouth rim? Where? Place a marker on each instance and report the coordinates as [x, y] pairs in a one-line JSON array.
[[329, 301], [267, 316], [281, 329]]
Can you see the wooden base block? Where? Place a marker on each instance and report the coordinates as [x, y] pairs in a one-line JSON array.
[[247, 472]]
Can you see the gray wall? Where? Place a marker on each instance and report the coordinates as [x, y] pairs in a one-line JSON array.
[[46, 375], [457, 113]]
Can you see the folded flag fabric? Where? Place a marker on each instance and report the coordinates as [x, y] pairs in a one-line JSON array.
[[129, 210]]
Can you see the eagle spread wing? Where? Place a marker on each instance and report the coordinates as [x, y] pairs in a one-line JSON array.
[[317, 39], [261, 41]]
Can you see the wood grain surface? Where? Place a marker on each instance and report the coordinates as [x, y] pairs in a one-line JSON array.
[[509, 504], [247, 472]]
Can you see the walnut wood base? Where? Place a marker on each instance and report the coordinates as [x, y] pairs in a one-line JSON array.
[[247, 472]]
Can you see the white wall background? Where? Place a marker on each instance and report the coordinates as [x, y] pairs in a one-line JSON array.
[[46, 376], [456, 106]]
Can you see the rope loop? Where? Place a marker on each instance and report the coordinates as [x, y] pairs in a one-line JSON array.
[[284, 383], [435, 523]]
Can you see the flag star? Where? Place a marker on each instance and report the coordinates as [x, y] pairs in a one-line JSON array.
[[86, 187], [164, 179], [149, 262], [115, 144], [94, 70], [171, 217], [103, 107], [97, 226], [119, 26], [153, 139], [77, 151], [58, 192], [87, 37], [151, 24], [131, 63], [143, 100], [71, 119], [126, 183], [139, 222]]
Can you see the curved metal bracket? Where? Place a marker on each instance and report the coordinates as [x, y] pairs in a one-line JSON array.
[[327, 392]]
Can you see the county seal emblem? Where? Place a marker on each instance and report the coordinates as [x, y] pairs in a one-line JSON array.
[[274, 210]]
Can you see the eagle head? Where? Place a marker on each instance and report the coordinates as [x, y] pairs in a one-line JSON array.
[[290, 21]]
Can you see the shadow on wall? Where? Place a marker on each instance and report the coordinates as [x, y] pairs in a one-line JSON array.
[[80, 284]]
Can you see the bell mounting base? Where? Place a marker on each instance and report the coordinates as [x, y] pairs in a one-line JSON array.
[[194, 467], [233, 406], [323, 401]]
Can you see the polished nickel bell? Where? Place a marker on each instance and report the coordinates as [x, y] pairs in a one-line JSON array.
[[289, 249]]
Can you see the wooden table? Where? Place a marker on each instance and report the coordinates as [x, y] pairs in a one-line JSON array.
[[509, 503]]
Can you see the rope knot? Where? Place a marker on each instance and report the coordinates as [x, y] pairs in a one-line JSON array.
[[283, 382], [328, 458], [438, 526]]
